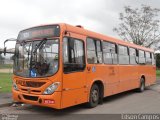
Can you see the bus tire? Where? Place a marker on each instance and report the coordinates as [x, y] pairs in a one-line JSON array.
[[94, 96], [142, 85]]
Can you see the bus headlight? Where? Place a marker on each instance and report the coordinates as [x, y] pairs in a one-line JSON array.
[[51, 88], [15, 87]]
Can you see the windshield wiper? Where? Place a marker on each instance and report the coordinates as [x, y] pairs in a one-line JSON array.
[[40, 44], [33, 53]]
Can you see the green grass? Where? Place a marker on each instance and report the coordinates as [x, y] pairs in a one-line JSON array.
[[6, 66], [5, 82], [158, 73]]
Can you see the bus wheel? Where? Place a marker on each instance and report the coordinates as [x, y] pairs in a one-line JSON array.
[[94, 96], [142, 85]]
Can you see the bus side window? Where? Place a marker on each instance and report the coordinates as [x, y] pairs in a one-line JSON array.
[[94, 51], [99, 51], [109, 53], [148, 58], [73, 55], [142, 59], [91, 51], [153, 59], [133, 56], [123, 55], [65, 51], [115, 55], [137, 56]]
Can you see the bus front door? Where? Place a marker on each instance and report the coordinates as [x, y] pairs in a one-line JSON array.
[[74, 71]]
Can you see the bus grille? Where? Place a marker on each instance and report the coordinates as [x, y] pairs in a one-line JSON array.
[[31, 84], [33, 98], [26, 90]]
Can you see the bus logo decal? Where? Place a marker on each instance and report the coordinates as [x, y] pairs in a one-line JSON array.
[[93, 69], [88, 68]]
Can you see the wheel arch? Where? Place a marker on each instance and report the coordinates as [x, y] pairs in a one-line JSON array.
[[143, 76], [101, 86]]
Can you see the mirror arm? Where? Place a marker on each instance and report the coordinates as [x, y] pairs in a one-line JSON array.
[[5, 48]]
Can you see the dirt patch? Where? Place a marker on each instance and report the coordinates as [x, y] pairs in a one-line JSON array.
[[6, 70]]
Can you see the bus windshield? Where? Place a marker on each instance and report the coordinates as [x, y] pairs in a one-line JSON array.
[[36, 58]]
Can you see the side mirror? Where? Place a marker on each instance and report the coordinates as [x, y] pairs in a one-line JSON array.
[[5, 48]]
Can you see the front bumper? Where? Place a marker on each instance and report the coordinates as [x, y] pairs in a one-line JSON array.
[[38, 99]]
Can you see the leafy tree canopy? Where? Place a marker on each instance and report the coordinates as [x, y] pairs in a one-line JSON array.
[[139, 25]]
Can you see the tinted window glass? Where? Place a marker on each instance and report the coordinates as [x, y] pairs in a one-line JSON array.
[[123, 55], [123, 50], [91, 51], [141, 53], [153, 59], [65, 51], [73, 55], [99, 51], [133, 56], [94, 51], [142, 59], [109, 53], [148, 58], [90, 44]]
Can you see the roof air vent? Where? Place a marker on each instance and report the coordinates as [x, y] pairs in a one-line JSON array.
[[79, 26]]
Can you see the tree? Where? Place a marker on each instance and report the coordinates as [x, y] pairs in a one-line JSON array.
[[139, 25]]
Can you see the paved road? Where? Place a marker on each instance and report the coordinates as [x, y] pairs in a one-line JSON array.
[[128, 102]]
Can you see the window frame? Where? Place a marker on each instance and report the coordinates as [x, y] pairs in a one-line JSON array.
[[123, 54], [153, 59], [136, 56], [84, 52], [101, 50], [141, 57], [101, 45], [116, 52], [150, 56]]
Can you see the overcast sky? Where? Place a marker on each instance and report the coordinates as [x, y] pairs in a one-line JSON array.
[[97, 15]]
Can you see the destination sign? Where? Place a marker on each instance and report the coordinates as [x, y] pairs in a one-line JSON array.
[[40, 32]]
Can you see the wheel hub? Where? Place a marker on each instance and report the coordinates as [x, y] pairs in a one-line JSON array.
[[95, 95]]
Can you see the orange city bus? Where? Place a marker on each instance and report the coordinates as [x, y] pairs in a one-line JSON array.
[[60, 65]]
